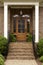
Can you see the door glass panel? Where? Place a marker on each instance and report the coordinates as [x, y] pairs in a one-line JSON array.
[[14, 25], [28, 27], [21, 26]]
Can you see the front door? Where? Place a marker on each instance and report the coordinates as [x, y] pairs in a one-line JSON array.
[[21, 31], [21, 27]]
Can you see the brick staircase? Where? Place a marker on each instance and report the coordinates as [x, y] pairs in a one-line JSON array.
[[21, 50]]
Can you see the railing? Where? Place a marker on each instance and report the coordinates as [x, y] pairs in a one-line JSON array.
[[33, 37], [34, 45]]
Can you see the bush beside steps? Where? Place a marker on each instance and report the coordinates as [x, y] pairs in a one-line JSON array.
[[42, 63], [41, 58], [12, 37], [2, 59], [29, 38], [3, 45], [40, 48]]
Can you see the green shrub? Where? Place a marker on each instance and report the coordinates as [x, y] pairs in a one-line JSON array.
[[40, 47], [3, 45], [2, 56], [41, 58], [1, 60], [42, 63], [12, 38], [29, 38]]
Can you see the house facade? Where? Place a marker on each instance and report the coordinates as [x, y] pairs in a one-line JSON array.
[[21, 18]]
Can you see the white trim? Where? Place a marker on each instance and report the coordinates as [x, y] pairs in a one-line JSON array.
[[21, 3], [36, 4], [36, 23], [6, 21]]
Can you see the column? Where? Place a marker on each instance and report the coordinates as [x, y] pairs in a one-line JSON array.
[[5, 20], [36, 23]]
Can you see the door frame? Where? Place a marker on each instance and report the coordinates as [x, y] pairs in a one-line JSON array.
[[36, 4]]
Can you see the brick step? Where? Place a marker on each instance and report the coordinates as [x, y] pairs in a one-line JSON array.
[[20, 54], [21, 57], [21, 50], [30, 53], [19, 45]]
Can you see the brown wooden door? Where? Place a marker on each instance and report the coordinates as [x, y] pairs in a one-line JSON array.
[[21, 29]]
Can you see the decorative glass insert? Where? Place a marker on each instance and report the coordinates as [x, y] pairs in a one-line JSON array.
[[28, 27], [21, 26], [14, 25]]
